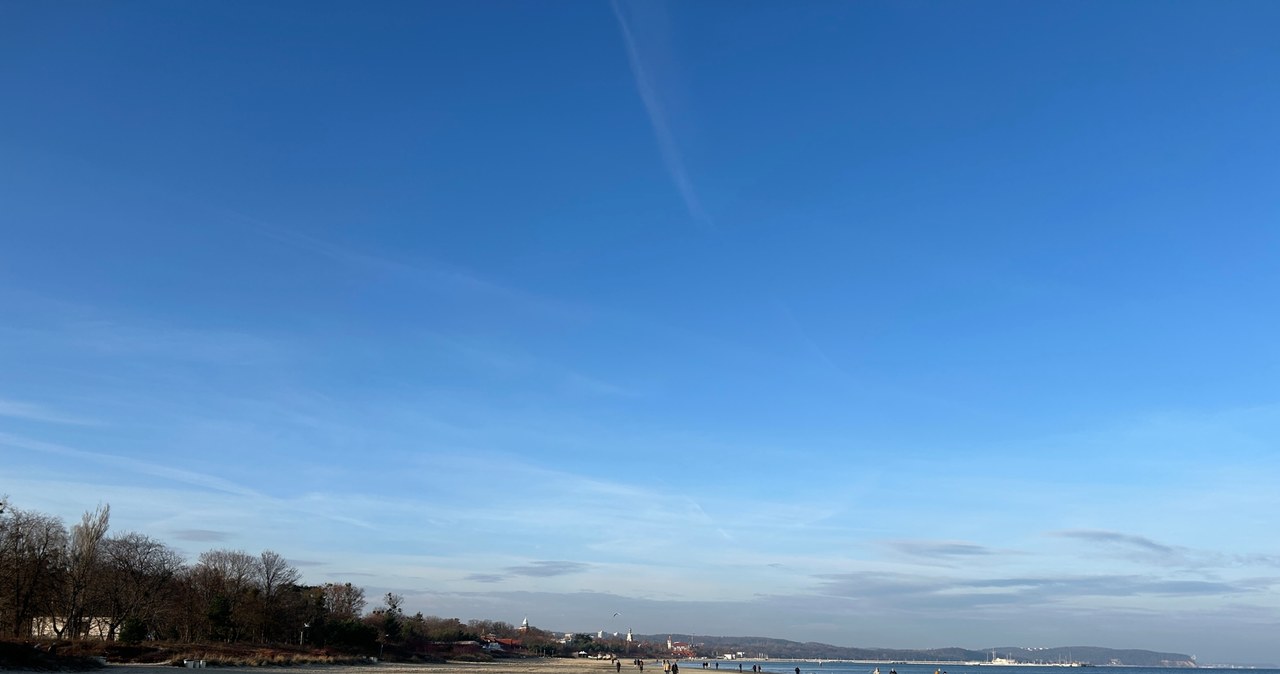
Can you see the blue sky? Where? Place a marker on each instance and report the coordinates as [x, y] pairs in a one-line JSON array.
[[902, 324]]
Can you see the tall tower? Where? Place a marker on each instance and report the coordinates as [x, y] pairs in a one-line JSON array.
[[629, 640], [524, 624]]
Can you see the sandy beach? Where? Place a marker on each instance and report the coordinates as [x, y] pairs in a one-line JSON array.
[[521, 666]]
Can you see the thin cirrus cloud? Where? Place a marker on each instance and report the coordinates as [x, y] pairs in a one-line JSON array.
[[203, 481], [891, 591], [437, 275], [653, 105], [1143, 549], [1114, 538], [200, 535], [140, 466], [486, 578], [939, 549], [16, 409], [539, 569], [1110, 586], [1140, 548], [548, 569], [306, 562]]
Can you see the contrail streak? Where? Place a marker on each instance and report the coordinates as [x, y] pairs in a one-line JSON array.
[[658, 120]]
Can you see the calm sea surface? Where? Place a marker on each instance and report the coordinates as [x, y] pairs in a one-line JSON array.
[[827, 667]]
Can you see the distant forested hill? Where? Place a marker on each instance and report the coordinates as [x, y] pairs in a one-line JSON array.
[[784, 649]]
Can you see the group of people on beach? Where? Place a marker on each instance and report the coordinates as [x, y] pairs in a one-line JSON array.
[[670, 666]]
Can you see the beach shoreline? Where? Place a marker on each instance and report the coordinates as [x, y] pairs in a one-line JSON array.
[[512, 666]]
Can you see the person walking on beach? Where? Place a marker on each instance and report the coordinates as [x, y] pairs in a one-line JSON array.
[[617, 664]]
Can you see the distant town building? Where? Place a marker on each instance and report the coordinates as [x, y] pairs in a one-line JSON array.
[[48, 627], [680, 649]]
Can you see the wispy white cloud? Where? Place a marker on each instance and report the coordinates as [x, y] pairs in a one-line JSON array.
[[423, 272], [513, 361], [200, 535], [486, 577], [902, 590], [544, 569], [16, 409], [1115, 539], [940, 550], [176, 343], [1148, 551], [653, 105], [135, 465], [84, 332], [170, 475]]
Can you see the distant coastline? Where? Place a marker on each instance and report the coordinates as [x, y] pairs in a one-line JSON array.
[[763, 648]]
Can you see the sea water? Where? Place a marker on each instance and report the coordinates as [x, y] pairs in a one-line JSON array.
[[838, 667]]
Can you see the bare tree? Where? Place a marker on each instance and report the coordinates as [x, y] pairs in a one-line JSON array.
[[190, 605], [223, 580], [343, 602], [274, 572], [141, 573], [233, 570], [31, 546], [140, 587], [82, 572], [274, 576]]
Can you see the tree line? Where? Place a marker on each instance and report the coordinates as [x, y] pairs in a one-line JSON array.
[[85, 582]]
